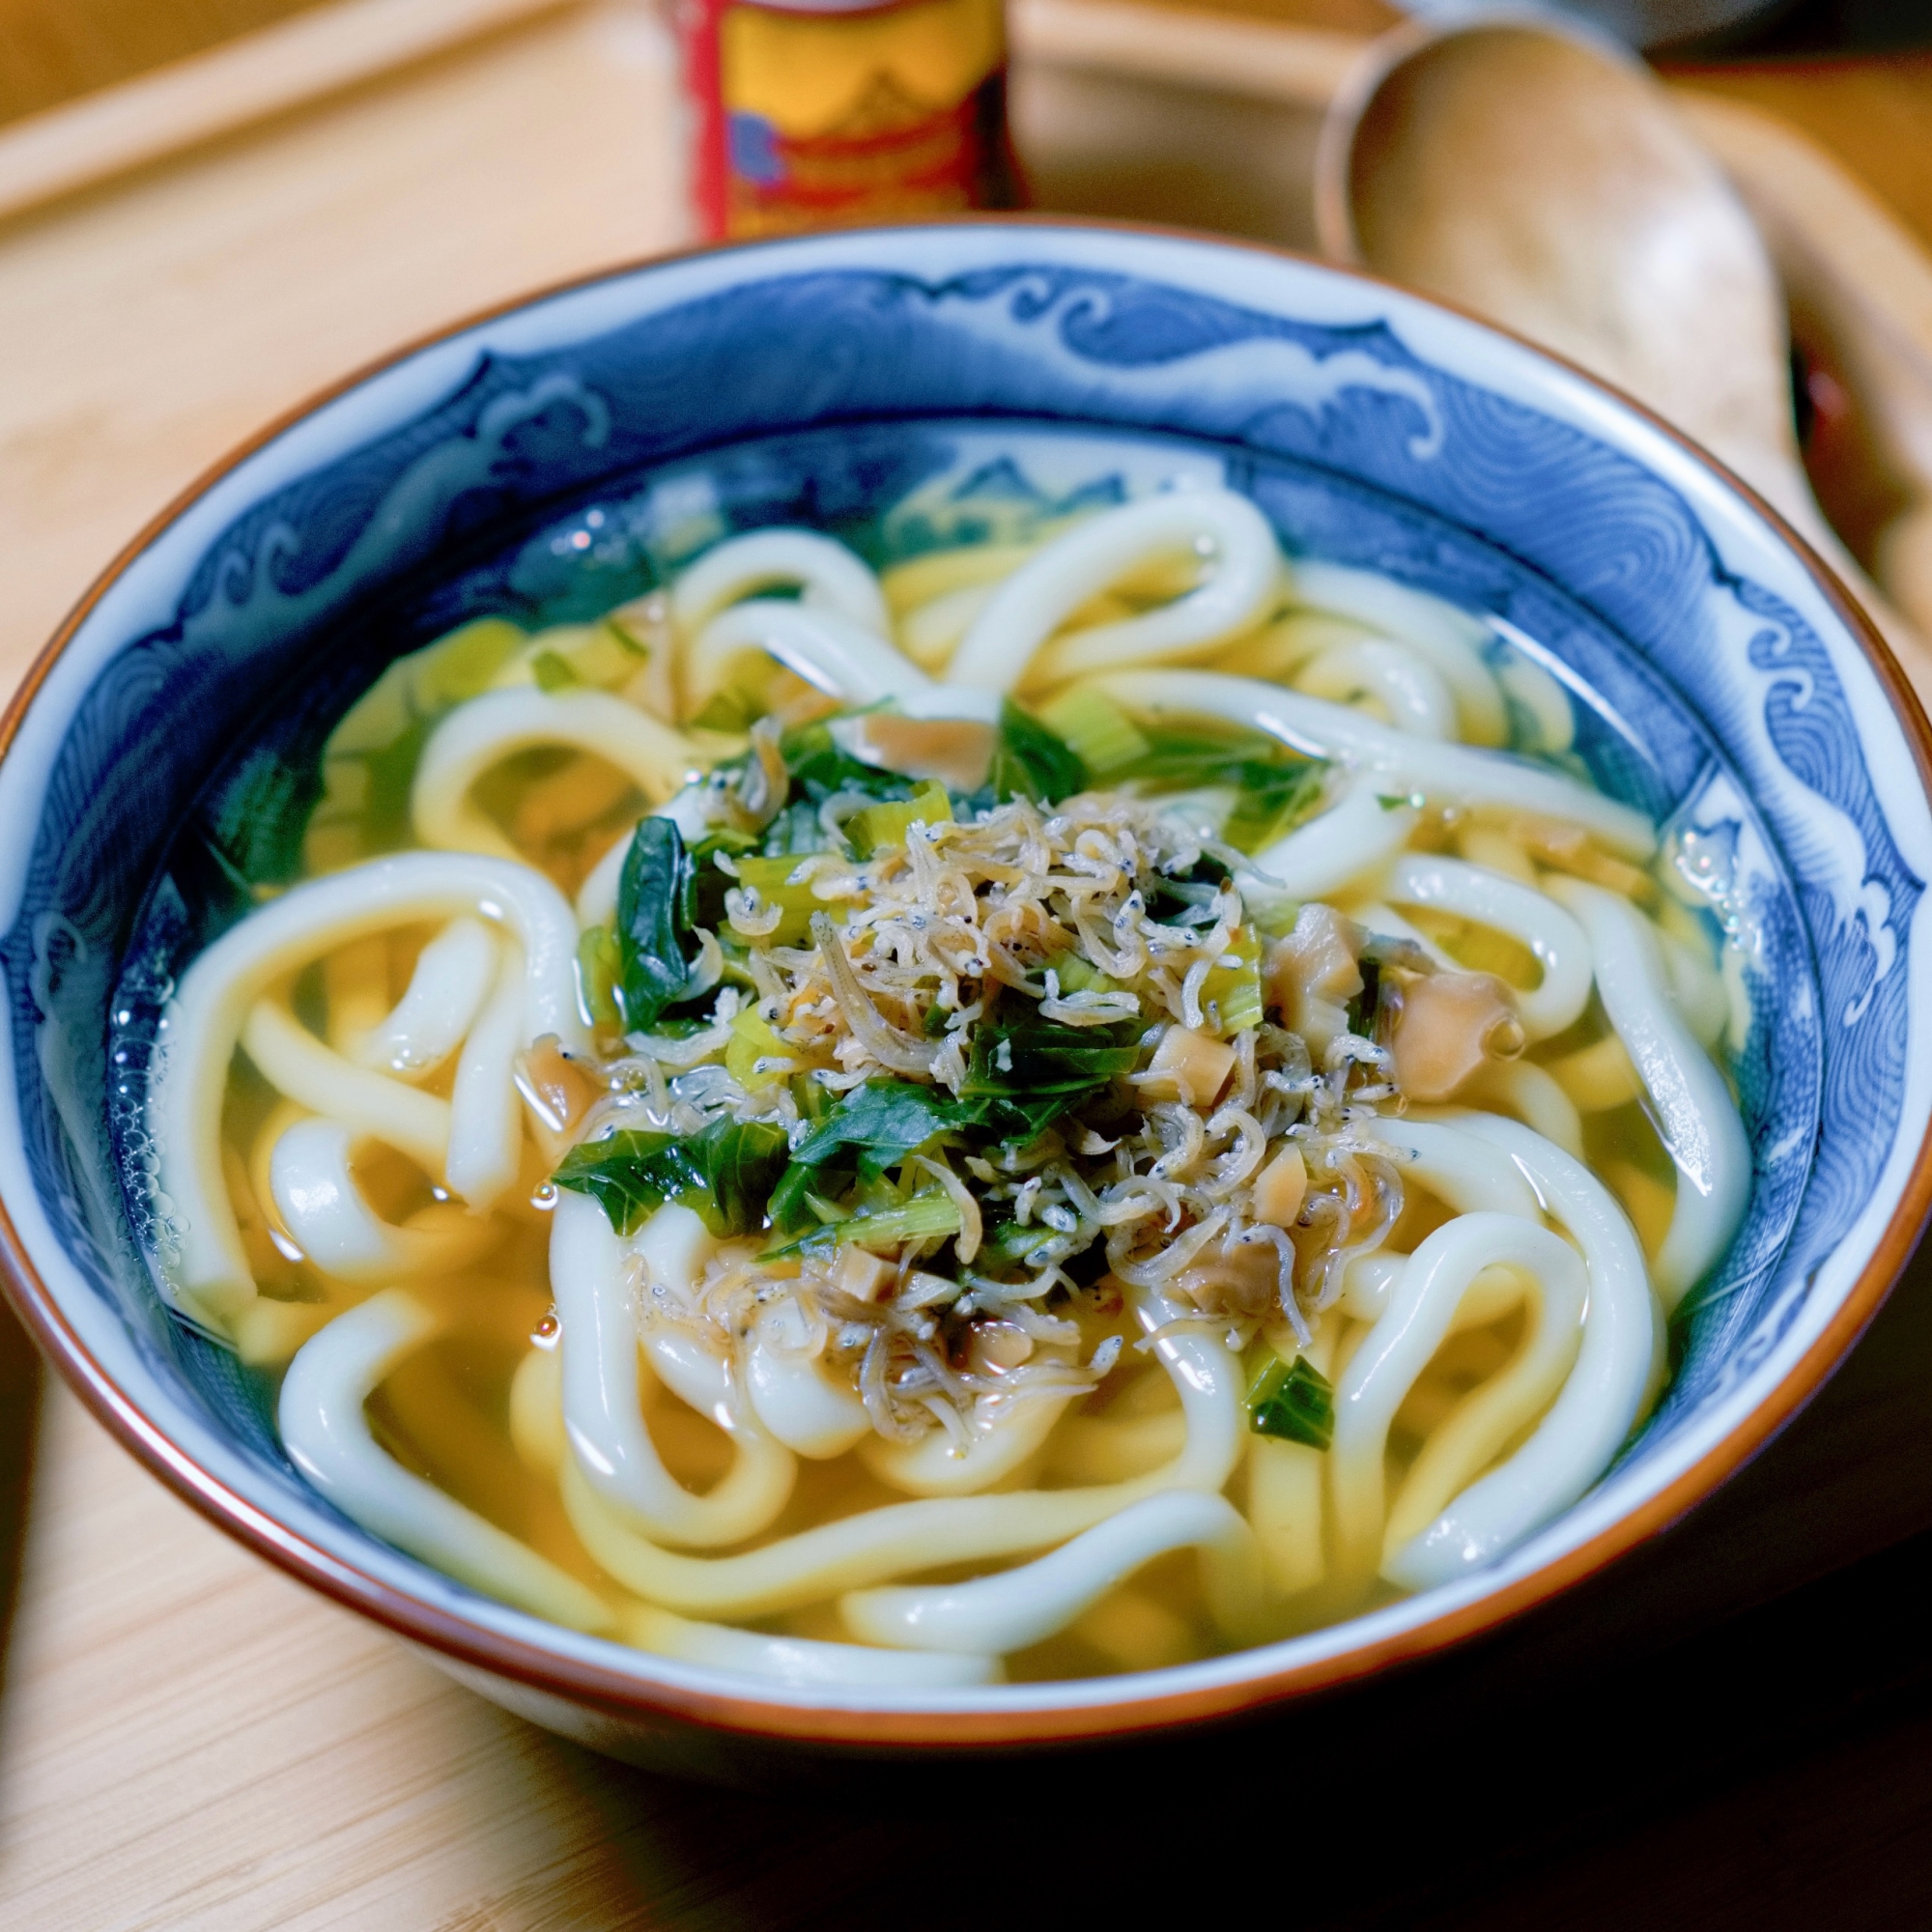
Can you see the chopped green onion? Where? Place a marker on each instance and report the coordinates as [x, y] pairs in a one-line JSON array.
[[1077, 974], [1030, 761], [1293, 1402], [754, 1042], [879, 828], [770, 879], [921, 1219], [732, 711], [1231, 996], [1096, 730], [601, 655], [1007, 1244], [1272, 914], [552, 672]]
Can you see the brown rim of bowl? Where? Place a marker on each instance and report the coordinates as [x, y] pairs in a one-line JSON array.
[[623, 1697]]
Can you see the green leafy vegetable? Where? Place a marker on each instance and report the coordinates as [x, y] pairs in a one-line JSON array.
[[598, 967], [665, 893], [1022, 1078], [1271, 799], [1274, 788], [821, 766], [1293, 1402], [884, 1120], [877, 1125], [254, 830], [919, 1219], [1029, 761], [705, 903], [873, 1127], [653, 915], [1365, 1009], [1181, 757], [743, 1160], [630, 1175], [1020, 1118], [1042, 1057], [725, 1174]]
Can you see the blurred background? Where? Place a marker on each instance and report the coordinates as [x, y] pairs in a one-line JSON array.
[[54, 50], [210, 207]]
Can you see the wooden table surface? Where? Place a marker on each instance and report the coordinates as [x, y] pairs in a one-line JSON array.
[[187, 1738]]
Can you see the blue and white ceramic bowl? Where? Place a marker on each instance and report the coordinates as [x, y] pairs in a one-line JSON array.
[[554, 459]]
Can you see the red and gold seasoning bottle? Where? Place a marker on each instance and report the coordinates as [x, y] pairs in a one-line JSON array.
[[812, 114]]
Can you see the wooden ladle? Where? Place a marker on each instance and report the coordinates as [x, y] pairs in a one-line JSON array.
[[1541, 178]]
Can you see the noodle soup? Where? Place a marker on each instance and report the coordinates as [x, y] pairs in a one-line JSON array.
[[1057, 1108]]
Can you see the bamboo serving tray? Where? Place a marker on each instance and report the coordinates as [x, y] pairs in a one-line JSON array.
[[186, 1737]]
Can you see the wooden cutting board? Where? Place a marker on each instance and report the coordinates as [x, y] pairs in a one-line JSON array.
[[186, 1738]]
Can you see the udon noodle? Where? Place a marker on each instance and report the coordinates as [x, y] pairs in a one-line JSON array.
[[1055, 1109]]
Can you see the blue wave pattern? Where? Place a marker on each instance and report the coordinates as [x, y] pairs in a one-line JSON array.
[[1860, 925], [1360, 451]]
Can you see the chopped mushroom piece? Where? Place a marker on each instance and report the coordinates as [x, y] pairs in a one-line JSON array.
[[1313, 974], [864, 1276], [1452, 1024], [1187, 1065], [1280, 1188], [957, 751], [1247, 1275], [554, 1086], [993, 1348]]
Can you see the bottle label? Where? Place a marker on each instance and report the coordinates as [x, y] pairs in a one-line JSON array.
[[826, 119]]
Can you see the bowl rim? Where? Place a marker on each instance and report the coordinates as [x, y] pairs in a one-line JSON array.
[[629, 1700]]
